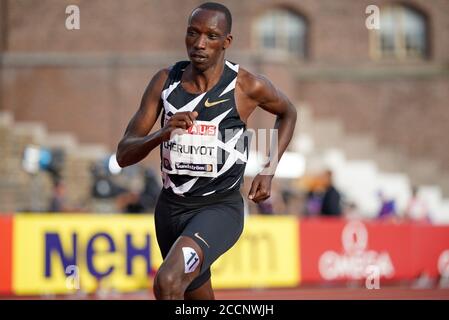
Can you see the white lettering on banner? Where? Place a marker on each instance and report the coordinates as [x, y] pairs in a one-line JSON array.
[[353, 263], [443, 264], [354, 237]]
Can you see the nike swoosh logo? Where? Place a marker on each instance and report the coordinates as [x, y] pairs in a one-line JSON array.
[[208, 104], [198, 236]]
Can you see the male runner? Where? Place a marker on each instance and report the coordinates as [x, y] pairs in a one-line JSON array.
[[205, 104]]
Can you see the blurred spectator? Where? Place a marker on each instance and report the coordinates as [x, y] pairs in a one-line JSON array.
[[266, 206], [58, 200], [387, 208], [313, 187], [286, 198], [331, 203], [132, 202], [416, 209], [293, 200], [298, 203], [129, 202], [151, 190], [313, 203]]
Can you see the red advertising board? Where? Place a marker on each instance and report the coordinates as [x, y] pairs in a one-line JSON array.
[[334, 249], [5, 254], [430, 250]]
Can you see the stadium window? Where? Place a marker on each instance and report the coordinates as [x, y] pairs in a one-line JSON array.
[[281, 33], [402, 34]]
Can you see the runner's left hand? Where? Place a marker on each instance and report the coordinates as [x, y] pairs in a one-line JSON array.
[[260, 188]]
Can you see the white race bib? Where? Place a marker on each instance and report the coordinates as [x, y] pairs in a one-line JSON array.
[[193, 151]]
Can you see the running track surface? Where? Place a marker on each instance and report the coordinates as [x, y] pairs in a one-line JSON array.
[[389, 293]]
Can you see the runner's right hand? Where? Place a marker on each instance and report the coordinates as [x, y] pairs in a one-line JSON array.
[[180, 120]]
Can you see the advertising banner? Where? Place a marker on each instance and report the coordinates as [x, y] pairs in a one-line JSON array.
[[266, 255], [334, 250], [430, 250], [5, 254], [63, 253]]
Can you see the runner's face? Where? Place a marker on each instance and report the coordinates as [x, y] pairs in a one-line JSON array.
[[206, 38]]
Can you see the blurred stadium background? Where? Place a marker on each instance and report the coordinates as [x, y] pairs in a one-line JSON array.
[[373, 110]]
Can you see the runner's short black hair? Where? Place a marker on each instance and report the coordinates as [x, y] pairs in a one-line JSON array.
[[214, 6]]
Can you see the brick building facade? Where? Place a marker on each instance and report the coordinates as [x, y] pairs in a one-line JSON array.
[[89, 81]]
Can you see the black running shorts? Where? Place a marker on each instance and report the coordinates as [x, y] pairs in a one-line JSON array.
[[214, 222]]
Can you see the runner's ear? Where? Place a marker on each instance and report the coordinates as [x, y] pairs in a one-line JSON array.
[[227, 42]]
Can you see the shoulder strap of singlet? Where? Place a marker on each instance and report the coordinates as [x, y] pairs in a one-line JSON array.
[[176, 71], [174, 74]]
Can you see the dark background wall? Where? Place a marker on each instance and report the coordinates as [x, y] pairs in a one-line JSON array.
[[90, 81]]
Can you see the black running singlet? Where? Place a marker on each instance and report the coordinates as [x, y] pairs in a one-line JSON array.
[[210, 156]]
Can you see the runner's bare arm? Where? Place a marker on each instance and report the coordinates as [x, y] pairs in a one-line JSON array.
[[136, 143], [265, 95], [274, 101]]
